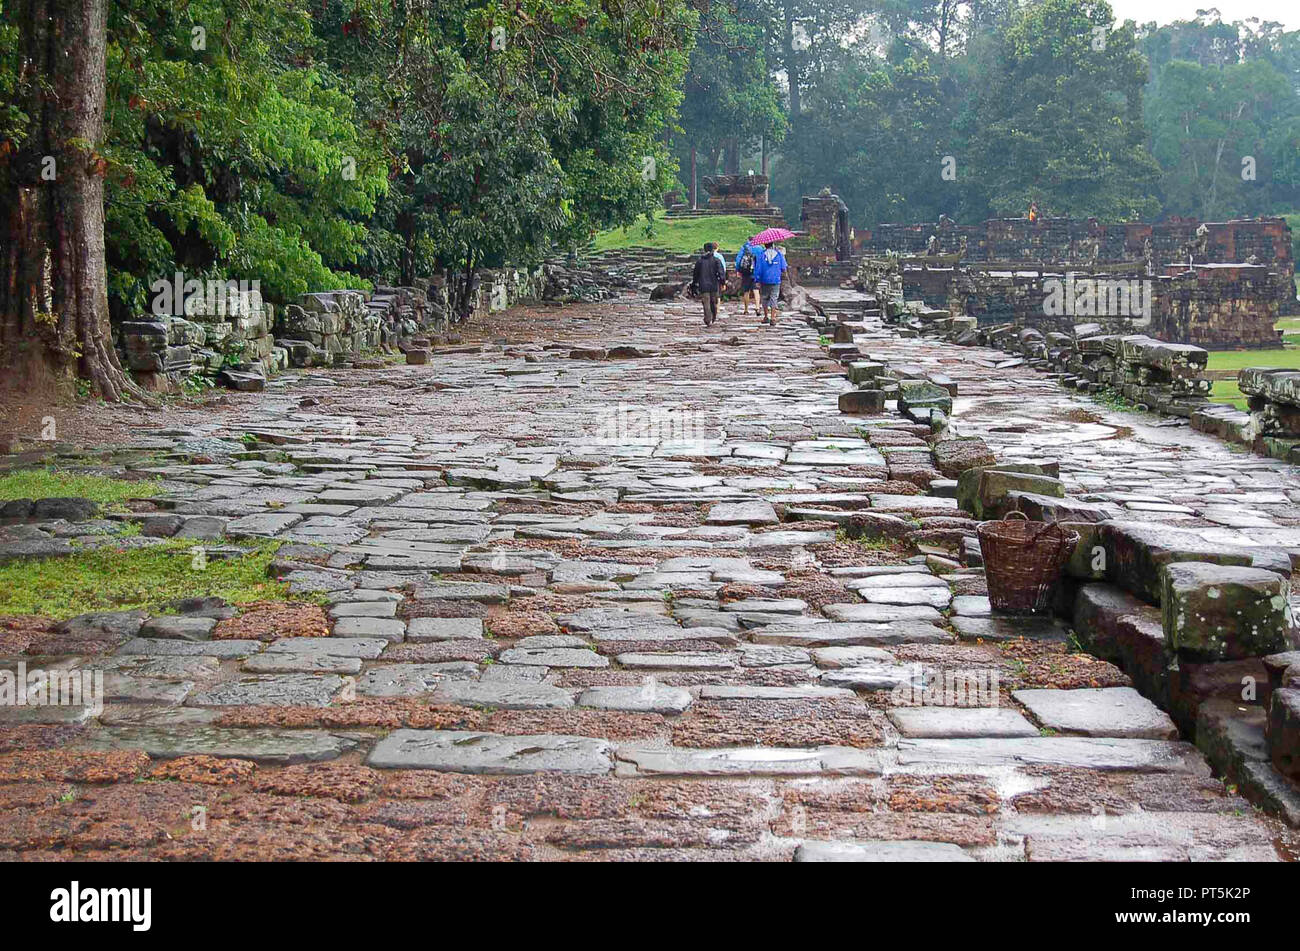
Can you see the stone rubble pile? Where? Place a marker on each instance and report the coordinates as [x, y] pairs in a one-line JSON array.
[[1167, 378], [226, 339]]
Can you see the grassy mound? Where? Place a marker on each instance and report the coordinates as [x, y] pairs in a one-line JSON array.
[[681, 234]]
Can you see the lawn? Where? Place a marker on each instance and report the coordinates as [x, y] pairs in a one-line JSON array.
[[1237, 359], [1225, 391], [681, 234], [113, 579], [53, 484]]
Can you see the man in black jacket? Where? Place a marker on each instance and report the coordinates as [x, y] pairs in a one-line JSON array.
[[707, 281]]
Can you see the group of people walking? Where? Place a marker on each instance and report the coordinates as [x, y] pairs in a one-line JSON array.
[[761, 268]]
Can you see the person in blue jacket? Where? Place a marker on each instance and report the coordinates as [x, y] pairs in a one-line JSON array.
[[746, 258], [768, 271]]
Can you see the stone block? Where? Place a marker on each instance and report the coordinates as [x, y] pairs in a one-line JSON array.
[[922, 394], [1284, 731], [1134, 553], [952, 457], [862, 401], [991, 495], [1225, 612]]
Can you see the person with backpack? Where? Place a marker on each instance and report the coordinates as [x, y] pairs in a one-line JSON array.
[[745, 261], [707, 281], [768, 271]]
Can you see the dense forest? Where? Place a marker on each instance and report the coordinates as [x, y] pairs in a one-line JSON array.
[[312, 144], [909, 109]]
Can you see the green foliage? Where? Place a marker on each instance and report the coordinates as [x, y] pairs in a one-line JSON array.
[[509, 128], [111, 578], [1060, 121], [1226, 137], [228, 160], [57, 484], [729, 100], [311, 145]]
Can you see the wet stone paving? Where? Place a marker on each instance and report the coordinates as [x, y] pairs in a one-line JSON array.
[[579, 588]]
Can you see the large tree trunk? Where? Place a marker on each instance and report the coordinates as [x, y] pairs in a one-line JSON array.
[[53, 279]]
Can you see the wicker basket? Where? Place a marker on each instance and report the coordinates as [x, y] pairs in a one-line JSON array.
[[1023, 561]]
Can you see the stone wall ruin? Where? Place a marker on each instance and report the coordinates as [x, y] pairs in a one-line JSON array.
[[1213, 284]]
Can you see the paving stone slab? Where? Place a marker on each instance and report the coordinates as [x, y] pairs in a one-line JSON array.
[[383, 608], [957, 723], [366, 648], [936, 597], [747, 692], [203, 667], [263, 525], [751, 761], [1102, 711], [1142, 837], [412, 680], [914, 579], [882, 613], [553, 657], [271, 690], [538, 641], [461, 751], [420, 630], [682, 660], [742, 513], [506, 695], [463, 591], [225, 650], [285, 662], [666, 635], [125, 688], [999, 628], [834, 658], [650, 697], [772, 656], [1105, 754], [880, 851], [513, 673], [856, 634], [275, 747], [179, 627], [874, 677], [767, 606], [972, 605], [390, 629]]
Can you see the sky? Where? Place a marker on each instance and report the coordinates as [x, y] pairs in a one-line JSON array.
[[1286, 12]]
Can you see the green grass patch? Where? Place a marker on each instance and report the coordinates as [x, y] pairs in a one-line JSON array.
[[53, 484], [681, 234], [112, 579], [1226, 391], [1238, 359]]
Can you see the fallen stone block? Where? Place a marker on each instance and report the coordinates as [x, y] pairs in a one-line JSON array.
[[862, 401], [952, 457], [991, 495]]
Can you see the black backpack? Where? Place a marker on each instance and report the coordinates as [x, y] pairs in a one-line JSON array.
[[746, 265]]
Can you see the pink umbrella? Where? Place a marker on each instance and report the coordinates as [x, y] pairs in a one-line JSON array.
[[770, 235]]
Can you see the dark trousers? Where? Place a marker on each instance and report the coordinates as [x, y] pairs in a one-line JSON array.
[[710, 302]]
